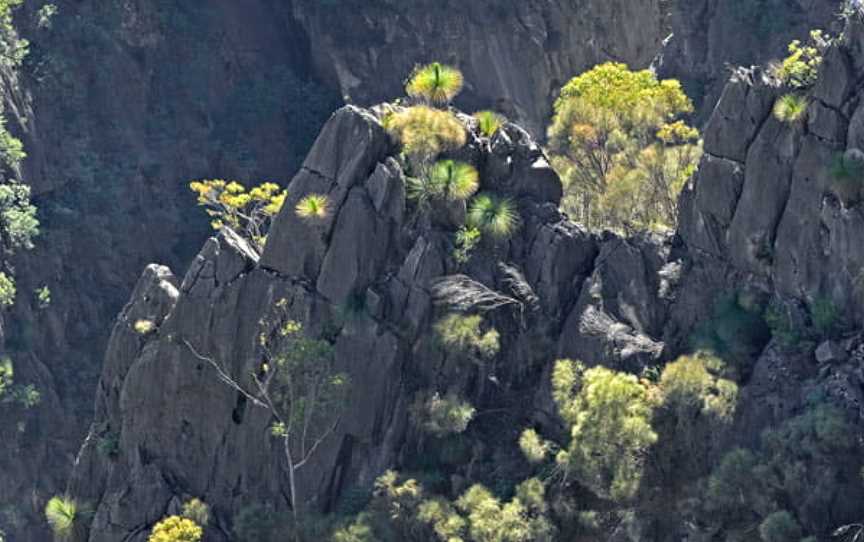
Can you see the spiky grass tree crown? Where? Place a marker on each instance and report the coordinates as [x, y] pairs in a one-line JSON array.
[[446, 180], [455, 181], [60, 512], [435, 83], [313, 207], [489, 122], [790, 107], [494, 215], [425, 132]]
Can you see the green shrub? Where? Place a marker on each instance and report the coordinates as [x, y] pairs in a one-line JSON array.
[[847, 176], [464, 334], [736, 332], [258, 523], [825, 316], [790, 108], [801, 68], [7, 290], [783, 329], [608, 415], [780, 527], [441, 415], [197, 510]]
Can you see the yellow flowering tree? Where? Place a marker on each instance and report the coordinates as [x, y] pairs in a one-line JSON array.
[[621, 148], [176, 529], [247, 212]]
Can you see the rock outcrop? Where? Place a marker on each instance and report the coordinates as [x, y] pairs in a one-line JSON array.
[[710, 36], [759, 219], [120, 104]]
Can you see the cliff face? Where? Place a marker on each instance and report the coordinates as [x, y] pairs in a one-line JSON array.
[[758, 220], [515, 55], [710, 36], [121, 103]]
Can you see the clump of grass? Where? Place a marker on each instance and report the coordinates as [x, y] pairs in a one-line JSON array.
[[790, 108], [489, 122], [313, 207], [493, 215], [435, 83]]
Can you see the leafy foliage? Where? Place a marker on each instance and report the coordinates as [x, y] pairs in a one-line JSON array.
[[493, 215], [197, 510], [620, 148], [801, 68], [61, 514], [847, 176], [26, 396], [464, 334], [425, 132], [435, 83], [176, 529], [609, 419], [248, 213], [779, 527], [7, 290], [442, 415], [790, 108], [466, 240], [794, 472], [489, 122]]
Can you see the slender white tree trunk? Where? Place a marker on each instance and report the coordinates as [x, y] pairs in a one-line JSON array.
[[293, 486]]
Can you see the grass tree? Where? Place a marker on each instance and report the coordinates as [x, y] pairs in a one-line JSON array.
[[313, 207], [435, 83], [424, 133], [61, 513], [790, 108], [298, 384], [489, 122], [493, 215], [447, 180]]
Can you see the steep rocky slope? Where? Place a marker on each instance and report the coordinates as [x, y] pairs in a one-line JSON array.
[[759, 220], [121, 103], [710, 36]]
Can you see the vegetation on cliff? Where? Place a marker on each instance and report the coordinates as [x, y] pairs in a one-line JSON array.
[[621, 148]]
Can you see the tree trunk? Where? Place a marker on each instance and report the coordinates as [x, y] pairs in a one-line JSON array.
[[293, 486]]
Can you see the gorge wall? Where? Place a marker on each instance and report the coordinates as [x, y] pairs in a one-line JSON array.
[[759, 220], [120, 103]]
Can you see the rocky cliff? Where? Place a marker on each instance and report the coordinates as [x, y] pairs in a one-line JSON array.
[[711, 36], [759, 220], [121, 103]]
